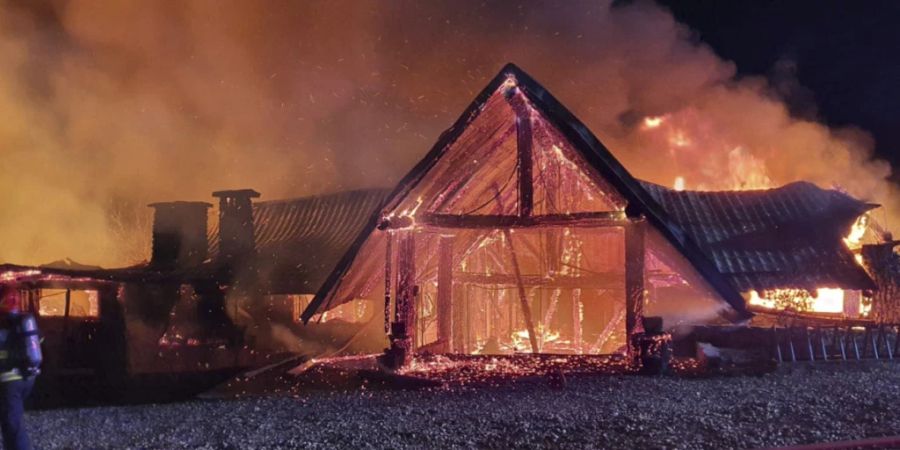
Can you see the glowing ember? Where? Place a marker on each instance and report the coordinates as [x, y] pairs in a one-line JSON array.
[[544, 336], [679, 139], [467, 369], [14, 275], [652, 122]]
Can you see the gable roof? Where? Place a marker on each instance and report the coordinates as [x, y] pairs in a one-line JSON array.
[[640, 202], [787, 237]]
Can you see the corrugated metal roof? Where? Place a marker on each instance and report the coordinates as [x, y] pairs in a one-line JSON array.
[[299, 241], [788, 237]]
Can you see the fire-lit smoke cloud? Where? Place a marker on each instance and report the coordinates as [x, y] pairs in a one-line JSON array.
[[106, 106]]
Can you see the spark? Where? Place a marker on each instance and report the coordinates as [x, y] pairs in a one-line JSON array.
[[652, 122]]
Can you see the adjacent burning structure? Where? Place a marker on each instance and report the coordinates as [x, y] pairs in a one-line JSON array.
[[209, 297], [782, 248], [520, 232]]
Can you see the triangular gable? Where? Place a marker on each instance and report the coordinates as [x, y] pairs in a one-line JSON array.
[[480, 172], [584, 156]]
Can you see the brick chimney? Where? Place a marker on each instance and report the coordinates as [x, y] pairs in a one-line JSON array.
[[179, 234], [236, 236]]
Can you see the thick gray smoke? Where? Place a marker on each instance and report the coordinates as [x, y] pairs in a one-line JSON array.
[[107, 106]]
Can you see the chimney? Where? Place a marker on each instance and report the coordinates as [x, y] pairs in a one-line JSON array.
[[179, 234], [236, 237]]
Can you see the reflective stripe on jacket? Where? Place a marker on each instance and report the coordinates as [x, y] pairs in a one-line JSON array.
[[9, 375]]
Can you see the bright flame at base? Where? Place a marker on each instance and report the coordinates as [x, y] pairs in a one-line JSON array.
[[826, 300]]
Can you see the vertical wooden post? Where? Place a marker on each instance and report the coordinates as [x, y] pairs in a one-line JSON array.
[[576, 319], [388, 279], [402, 330], [467, 320], [66, 314], [513, 320], [68, 304], [634, 275], [405, 275], [445, 292], [526, 192], [524, 154], [410, 289], [458, 325]]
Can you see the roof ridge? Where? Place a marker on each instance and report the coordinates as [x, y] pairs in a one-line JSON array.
[[738, 191]]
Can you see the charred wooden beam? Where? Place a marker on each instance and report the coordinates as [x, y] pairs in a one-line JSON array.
[[581, 219], [634, 275], [406, 278], [524, 145], [402, 330]]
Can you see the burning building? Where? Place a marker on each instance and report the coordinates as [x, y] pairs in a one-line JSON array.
[[520, 232]]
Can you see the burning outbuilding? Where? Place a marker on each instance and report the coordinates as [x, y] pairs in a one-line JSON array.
[[210, 301]]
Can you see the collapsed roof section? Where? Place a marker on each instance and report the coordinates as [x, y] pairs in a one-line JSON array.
[[788, 237]]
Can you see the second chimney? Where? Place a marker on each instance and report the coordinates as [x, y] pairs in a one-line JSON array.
[[236, 236], [179, 234]]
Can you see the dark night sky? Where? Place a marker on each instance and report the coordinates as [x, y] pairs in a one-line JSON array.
[[838, 61]]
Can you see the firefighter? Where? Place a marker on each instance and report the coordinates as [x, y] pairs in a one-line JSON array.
[[20, 360]]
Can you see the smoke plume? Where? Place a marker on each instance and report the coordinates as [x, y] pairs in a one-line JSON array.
[[107, 106]]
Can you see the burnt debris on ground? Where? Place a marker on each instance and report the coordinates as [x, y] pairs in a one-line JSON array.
[[826, 402]]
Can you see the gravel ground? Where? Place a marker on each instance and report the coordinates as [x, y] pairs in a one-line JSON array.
[[803, 406]]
